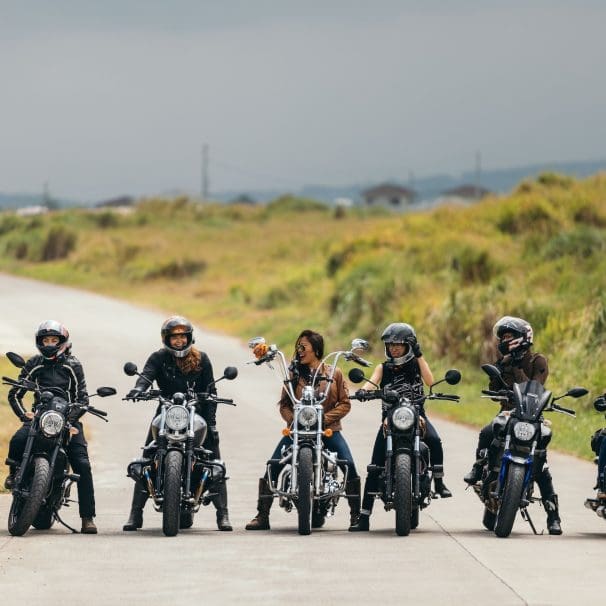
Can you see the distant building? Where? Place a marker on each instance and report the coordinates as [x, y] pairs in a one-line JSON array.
[[388, 195], [30, 211], [464, 193], [120, 202], [243, 199]]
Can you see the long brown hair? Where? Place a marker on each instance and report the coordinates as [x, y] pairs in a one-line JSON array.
[[190, 363]]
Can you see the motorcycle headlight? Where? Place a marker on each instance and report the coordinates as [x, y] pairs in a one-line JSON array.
[[308, 416], [177, 418], [403, 418], [51, 423], [524, 431]]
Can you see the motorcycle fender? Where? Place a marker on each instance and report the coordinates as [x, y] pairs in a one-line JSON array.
[[518, 460]]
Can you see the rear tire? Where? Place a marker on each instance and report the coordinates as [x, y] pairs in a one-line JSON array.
[[402, 494], [510, 501], [24, 511], [305, 490], [171, 510]]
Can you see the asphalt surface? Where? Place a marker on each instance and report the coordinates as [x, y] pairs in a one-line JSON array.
[[449, 559]]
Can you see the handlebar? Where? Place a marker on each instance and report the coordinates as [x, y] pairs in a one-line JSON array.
[[568, 411]]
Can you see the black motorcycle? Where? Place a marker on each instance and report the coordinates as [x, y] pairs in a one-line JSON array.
[[43, 481], [518, 451], [405, 479], [179, 473], [599, 503]]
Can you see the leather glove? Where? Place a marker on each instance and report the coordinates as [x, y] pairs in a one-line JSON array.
[[361, 394], [133, 393], [416, 349]]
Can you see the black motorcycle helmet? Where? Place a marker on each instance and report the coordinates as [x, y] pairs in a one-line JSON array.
[[177, 325], [51, 328], [401, 333], [521, 331]]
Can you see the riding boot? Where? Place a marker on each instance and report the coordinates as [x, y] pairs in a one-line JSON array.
[[363, 524], [264, 503], [553, 515], [438, 481], [220, 503], [475, 474], [135, 519], [88, 526], [352, 490]]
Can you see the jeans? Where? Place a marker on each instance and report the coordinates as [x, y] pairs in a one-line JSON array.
[[335, 443]]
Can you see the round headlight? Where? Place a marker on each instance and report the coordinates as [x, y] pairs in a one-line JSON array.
[[308, 416], [51, 423], [177, 418], [403, 418], [523, 431]]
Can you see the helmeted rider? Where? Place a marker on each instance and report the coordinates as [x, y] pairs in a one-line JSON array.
[[404, 370], [598, 445], [175, 367], [55, 366], [518, 364]]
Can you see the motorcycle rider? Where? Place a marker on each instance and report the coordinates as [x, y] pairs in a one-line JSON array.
[[405, 370], [309, 351], [598, 445], [517, 364], [56, 367], [173, 367]]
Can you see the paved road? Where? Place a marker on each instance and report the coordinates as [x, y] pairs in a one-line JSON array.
[[448, 560]]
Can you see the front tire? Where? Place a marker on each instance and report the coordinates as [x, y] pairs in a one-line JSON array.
[[402, 494], [305, 490], [171, 510], [24, 511], [510, 501]]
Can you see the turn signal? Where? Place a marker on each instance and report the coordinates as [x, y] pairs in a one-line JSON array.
[[286, 432], [328, 433]]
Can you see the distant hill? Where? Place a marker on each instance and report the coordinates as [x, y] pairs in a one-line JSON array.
[[428, 188]]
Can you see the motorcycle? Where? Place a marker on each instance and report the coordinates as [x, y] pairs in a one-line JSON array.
[[178, 473], [518, 451], [311, 478], [599, 503], [405, 479], [43, 483]]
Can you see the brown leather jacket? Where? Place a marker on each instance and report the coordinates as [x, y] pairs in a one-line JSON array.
[[533, 366], [336, 405]]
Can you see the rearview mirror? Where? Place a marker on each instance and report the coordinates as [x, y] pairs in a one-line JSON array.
[[359, 345], [130, 369], [356, 375], [106, 391], [256, 341], [16, 359], [452, 376], [577, 392], [230, 373]]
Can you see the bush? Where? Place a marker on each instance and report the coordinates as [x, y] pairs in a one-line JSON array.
[[582, 243], [176, 269], [474, 265], [59, 242]]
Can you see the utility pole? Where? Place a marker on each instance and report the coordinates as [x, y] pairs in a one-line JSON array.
[[204, 184]]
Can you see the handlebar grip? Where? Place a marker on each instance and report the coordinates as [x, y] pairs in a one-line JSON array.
[[97, 411], [223, 400], [563, 409]]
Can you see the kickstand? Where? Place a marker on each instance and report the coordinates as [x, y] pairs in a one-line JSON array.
[[526, 516], [58, 518]]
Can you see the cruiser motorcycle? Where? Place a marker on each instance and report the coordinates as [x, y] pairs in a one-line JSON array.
[[179, 474], [597, 444], [311, 478], [43, 481], [405, 479], [518, 451]]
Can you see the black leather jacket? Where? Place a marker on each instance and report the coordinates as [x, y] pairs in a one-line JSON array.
[[162, 368], [65, 372]]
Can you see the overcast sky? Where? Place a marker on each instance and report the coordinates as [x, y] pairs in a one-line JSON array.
[[117, 97]]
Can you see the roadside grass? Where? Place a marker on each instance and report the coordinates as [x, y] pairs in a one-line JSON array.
[[274, 270], [9, 423]]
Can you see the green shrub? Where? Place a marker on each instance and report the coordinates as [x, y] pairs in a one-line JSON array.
[[582, 243], [176, 269], [59, 242], [474, 265]]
